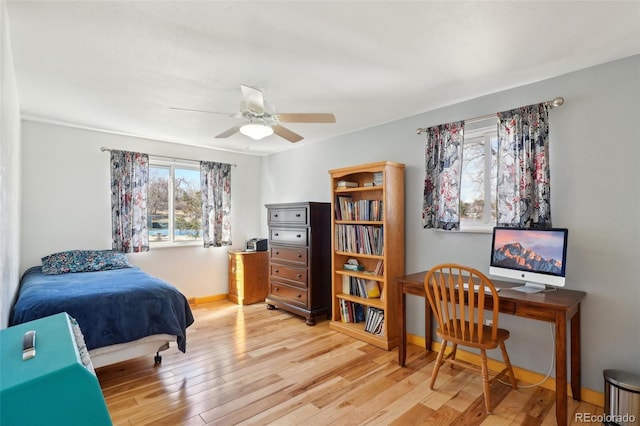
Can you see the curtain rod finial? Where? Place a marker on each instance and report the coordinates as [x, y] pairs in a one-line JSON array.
[[556, 102]]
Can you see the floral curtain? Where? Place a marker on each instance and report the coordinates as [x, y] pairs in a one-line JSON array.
[[441, 204], [129, 184], [215, 182], [523, 193]]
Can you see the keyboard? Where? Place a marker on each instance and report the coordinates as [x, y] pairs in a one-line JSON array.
[[476, 288]]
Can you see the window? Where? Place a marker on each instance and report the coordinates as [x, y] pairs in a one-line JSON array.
[[174, 203], [478, 180]]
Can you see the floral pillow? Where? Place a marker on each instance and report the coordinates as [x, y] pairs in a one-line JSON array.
[[83, 261]]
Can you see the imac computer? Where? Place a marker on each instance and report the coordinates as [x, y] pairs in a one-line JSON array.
[[535, 256]]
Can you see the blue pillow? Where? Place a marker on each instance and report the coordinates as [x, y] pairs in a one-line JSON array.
[[83, 261]]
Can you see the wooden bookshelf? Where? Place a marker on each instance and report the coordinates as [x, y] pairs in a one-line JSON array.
[[368, 226]]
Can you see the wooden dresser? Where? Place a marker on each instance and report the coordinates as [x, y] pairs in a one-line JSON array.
[[300, 259], [248, 276]]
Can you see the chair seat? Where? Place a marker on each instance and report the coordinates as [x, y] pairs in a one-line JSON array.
[[449, 333]]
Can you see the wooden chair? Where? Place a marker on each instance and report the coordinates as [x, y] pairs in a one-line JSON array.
[[460, 315]]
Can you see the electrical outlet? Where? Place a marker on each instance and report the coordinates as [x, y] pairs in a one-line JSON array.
[[488, 322]]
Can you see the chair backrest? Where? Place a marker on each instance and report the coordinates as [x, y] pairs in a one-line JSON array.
[[455, 309]]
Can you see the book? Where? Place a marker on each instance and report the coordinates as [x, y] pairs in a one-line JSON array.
[[374, 321], [377, 178], [346, 184], [372, 289], [346, 283], [351, 267]]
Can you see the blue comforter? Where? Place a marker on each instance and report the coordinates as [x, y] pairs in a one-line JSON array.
[[115, 306]]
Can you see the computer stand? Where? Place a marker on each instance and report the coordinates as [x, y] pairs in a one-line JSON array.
[[530, 288]]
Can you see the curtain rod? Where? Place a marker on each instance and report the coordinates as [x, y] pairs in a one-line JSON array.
[[103, 148], [556, 102]]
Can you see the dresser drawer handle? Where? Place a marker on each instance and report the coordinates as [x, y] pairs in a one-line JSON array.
[[298, 215], [299, 255], [299, 236], [277, 252], [299, 275], [275, 215], [277, 288], [276, 234], [277, 271], [299, 296]]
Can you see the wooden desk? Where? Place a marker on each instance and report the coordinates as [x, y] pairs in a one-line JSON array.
[[555, 307]]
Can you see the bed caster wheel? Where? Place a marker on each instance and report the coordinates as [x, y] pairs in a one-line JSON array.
[[157, 359]]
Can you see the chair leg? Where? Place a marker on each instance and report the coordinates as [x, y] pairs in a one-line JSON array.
[[505, 357], [454, 348], [439, 361], [485, 381]]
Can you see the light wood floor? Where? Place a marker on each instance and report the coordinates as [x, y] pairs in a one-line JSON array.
[[249, 365]]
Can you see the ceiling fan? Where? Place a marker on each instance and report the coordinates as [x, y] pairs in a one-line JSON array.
[[259, 120]]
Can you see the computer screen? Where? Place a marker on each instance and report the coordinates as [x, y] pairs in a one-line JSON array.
[[535, 256]]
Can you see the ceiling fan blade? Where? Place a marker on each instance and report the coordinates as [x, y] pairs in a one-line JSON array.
[[285, 133], [229, 132], [253, 99], [306, 118], [201, 110]]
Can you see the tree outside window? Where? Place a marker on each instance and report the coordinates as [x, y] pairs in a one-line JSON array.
[[174, 203], [478, 180]]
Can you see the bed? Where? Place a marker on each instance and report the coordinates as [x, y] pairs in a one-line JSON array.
[[122, 311]]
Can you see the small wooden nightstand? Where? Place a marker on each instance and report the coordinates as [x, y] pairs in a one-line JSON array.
[[248, 276]]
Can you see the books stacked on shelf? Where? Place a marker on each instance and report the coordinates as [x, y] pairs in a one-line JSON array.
[[379, 268], [347, 209], [346, 184], [351, 311], [353, 265], [354, 286], [374, 321], [377, 178], [363, 239]]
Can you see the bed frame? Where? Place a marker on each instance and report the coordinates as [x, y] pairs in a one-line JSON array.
[[108, 355]]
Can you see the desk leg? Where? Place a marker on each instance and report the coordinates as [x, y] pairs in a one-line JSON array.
[[428, 338], [576, 383], [402, 349], [561, 368]]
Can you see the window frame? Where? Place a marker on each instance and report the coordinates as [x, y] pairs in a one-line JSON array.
[[172, 165]]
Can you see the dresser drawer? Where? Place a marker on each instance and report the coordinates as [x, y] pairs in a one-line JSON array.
[[290, 254], [295, 216], [293, 295], [297, 236], [298, 276]]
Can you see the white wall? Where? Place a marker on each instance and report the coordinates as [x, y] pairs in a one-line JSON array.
[[9, 174], [66, 203], [595, 157]]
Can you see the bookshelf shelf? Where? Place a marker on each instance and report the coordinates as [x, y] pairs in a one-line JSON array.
[[363, 255], [359, 189], [375, 302], [361, 274], [360, 222], [377, 244]]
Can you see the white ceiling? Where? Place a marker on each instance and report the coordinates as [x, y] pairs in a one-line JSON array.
[[120, 65]]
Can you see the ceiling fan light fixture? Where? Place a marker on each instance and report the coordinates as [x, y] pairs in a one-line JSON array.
[[256, 131]]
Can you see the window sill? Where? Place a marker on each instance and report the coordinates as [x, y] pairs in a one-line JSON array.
[[477, 229], [154, 246], [469, 230]]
